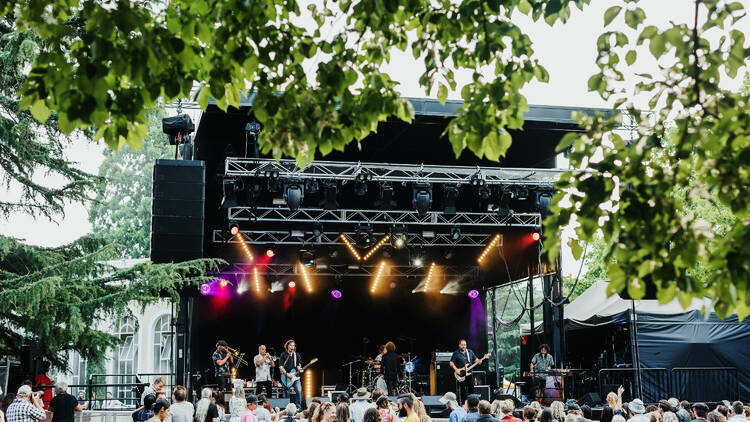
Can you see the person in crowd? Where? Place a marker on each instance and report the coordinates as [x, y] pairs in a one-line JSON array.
[[529, 414], [738, 412], [327, 412], [145, 412], [7, 400], [63, 405], [618, 418], [377, 393], [651, 409], [371, 415], [538, 407], [484, 409], [496, 404], [420, 410], [472, 413], [44, 383], [747, 412], [342, 413], [249, 413], [571, 417], [507, 407], [670, 417], [607, 414], [586, 413], [700, 412], [161, 411], [385, 411], [307, 414], [261, 412], [181, 410], [637, 411], [205, 409], [664, 406], [26, 407], [684, 411], [81, 398], [546, 416], [558, 411], [450, 401], [724, 410], [406, 408], [360, 404], [716, 416], [288, 415], [390, 367], [92, 404], [572, 408], [237, 405], [155, 387], [221, 405], [654, 416], [614, 401]]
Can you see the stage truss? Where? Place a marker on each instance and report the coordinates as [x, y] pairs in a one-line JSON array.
[[466, 272], [264, 237]]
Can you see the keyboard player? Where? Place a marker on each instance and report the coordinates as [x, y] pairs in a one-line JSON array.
[[541, 361]]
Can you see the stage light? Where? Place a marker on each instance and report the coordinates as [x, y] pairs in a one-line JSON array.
[[399, 241], [477, 180], [473, 293], [305, 278], [205, 289], [376, 247], [269, 253], [418, 261], [378, 276], [360, 184], [422, 198], [292, 284], [242, 287], [503, 206], [543, 203], [308, 383], [488, 248], [522, 193], [294, 193], [256, 279], [428, 234], [223, 283], [336, 293], [312, 186], [450, 195], [351, 247], [484, 192], [234, 228], [229, 189], [536, 236], [455, 233], [277, 286], [429, 277], [306, 257], [330, 190], [245, 248], [386, 201]]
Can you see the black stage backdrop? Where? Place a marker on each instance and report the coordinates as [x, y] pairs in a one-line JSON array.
[[337, 330]]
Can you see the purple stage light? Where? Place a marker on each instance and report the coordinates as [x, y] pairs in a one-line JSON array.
[[336, 294], [473, 294], [205, 289]]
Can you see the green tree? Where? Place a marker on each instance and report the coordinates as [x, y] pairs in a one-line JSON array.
[[121, 211]]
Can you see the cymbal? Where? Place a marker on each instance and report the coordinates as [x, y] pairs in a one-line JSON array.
[[370, 362]]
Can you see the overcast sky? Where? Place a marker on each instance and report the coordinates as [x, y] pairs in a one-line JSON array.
[[566, 50]]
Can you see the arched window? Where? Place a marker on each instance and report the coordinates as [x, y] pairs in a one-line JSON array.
[[163, 340], [125, 358]]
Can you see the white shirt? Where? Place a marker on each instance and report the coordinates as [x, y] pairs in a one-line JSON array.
[[262, 414], [640, 418], [262, 371], [181, 411], [358, 408]]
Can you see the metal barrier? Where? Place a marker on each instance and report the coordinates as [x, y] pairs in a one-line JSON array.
[[705, 384], [127, 393], [656, 383]]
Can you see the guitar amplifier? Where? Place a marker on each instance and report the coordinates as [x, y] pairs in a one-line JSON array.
[[483, 391], [444, 379], [480, 377]]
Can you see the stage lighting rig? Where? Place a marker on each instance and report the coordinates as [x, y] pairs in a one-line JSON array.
[[360, 183], [450, 195], [477, 180], [330, 190], [294, 193], [306, 257], [398, 237], [488, 248], [417, 257], [422, 198], [178, 129], [522, 193], [312, 186], [234, 228], [364, 235], [386, 201], [375, 248], [252, 130], [503, 208], [455, 233], [543, 202], [378, 277], [351, 247], [229, 187]]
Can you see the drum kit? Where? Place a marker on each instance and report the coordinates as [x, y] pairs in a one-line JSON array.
[[367, 372]]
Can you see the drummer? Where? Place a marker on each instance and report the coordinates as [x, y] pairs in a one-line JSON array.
[[379, 357]]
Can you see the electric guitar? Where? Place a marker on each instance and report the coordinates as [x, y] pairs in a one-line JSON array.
[[464, 372], [292, 376]]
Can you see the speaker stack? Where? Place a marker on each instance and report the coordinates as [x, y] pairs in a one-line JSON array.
[[177, 219]]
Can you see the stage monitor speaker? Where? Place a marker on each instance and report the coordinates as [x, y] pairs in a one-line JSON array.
[[591, 399], [434, 408], [177, 214], [483, 391], [280, 403]]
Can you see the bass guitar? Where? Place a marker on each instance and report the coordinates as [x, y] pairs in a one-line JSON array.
[[464, 372], [288, 379]]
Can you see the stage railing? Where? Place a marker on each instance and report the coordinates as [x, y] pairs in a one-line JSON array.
[[656, 383], [691, 384], [125, 395]]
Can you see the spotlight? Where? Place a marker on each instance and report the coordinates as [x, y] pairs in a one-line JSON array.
[[503, 206], [305, 278], [386, 201], [536, 236], [294, 193], [522, 193], [473, 293], [256, 279], [242, 287], [378, 276], [543, 201], [398, 236], [489, 247], [270, 253], [360, 183], [306, 257], [477, 180], [418, 261], [351, 247], [274, 184], [330, 190], [223, 283], [429, 277], [484, 192], [243, 243], [364, 235], [336, 293], [276, 286], [234, 228], [229, 188], [450, 195], [376, 247], [422, 198], [205, 289], [418, 257], [292, 284], [455, 233], [252, 130], [312, 186]]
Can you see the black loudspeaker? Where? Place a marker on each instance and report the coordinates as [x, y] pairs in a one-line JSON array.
[[483, 391], [480, 377], [177, 217], [445, 381], [591, 399], [280, 403], [434, 408], [31, 360]]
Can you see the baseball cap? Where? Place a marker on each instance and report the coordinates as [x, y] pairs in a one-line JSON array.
[[24, 391], [473, 400]]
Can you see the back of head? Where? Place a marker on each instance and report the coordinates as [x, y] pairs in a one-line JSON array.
[[723, 410], [179, 393], [290, 409], [342, 412], [507, 406], [607, 414], [61, 386], [686, 405], [546, 416], [420, 410], [700, 409], [159, 405], [473, 401], [558, 410], [571, 418], [670, 417], [715, 416], [529, 413], [612, 399], [586, 410], [738, 408], [382, 402], [618, 418], [149, 401], [206, 393], [484, 407], [377, 392], [371, 415], [160, 381], [664, 406]]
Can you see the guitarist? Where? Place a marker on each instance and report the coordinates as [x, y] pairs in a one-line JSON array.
[[290, 361], [462, 358]]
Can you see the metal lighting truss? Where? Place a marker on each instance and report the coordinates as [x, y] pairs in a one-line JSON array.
[[400, 217], [334, 238], [381, 172], [467, 272]]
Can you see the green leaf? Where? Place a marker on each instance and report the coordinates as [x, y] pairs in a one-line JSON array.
[[647, 33], [666, 292], [657, 46], [40, 111], [524, 7], [633, 18], [630, 57], [611, 14], [442, 93], [636, 288], [576, 249]]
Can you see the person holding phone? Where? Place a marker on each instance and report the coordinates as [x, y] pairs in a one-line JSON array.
[[27, 407]]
